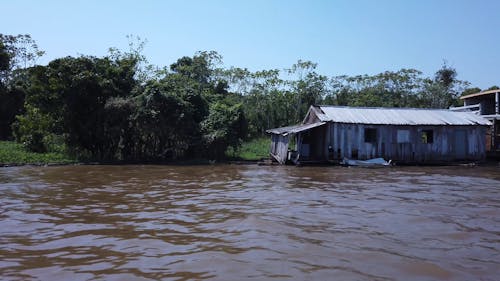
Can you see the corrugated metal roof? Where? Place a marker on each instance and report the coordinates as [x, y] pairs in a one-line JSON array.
[[294, 129], [398, 116]]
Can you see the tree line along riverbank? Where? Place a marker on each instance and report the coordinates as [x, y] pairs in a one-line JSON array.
[[121, 108], [15, 154]]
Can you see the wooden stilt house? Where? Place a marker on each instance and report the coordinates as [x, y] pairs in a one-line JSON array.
[[425, 136], [486, 104]]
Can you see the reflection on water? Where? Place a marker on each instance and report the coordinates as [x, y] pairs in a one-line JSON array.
[[249, 222]]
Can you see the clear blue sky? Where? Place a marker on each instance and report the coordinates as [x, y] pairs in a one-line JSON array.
[[343, 37]]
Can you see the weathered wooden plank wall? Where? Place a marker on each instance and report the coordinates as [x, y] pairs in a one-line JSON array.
[[279, 147], [348, 140]]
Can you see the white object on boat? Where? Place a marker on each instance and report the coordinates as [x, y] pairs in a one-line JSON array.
[[365, 163]]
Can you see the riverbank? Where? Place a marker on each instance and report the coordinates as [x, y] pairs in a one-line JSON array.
[[250, 153], [14, 154], [252, 150]]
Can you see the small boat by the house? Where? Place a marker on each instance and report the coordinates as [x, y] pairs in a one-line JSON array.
[[375, 162]]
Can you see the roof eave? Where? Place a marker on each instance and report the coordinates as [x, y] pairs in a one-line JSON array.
[[480, 94]]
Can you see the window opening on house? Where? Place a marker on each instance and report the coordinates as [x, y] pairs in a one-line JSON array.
[[427, 136], [370, 135], [403, 136]]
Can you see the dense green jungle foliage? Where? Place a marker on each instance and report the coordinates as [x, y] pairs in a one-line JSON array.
[[120, 108]]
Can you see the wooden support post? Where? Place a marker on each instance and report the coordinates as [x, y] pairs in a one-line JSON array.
[[493, 143], [497, 103]]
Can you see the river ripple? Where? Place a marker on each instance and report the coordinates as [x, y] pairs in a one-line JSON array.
[[225, 222]]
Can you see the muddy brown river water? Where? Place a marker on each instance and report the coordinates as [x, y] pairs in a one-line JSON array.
[[225, 222]]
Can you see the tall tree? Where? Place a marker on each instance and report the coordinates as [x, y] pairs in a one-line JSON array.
[[309, 87], [446, 87], [17, 53], [73, 92]]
